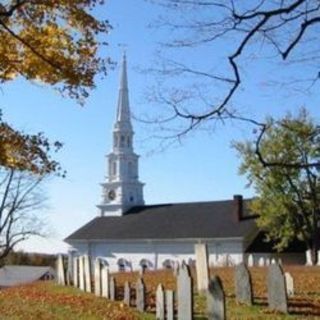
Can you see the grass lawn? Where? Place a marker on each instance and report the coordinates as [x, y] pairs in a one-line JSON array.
[[48, 301]]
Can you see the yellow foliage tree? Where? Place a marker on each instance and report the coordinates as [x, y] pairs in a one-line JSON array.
[[55, 42]]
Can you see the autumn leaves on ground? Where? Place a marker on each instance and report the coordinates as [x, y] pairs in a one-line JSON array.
[[50, 301]]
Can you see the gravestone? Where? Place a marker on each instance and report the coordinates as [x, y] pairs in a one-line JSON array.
[[60, 270], [184, 291], [250, 260], [82, 285], [318, 258], [112, 289], [268, 262], [277, 293], [202, 269], [308, 258], [273, 261], [216, 308], [261, 262], [243, 284], [105, 281], [169, 304], [176, 267], [289, 284], [76, 272], [126, 293], [97, 277], [87, 273], [160, 303], [140, 295]]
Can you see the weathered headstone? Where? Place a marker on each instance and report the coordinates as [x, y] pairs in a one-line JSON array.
[[216, 307], [105, 281], [261, 262], [184, 291], [76, 272], [140, 295], [60, 270], [126, 293], [97, 277], [87, 273], [112, 289], [289, 284], [243, 284], [277, 293], [250, 260], [169, 304], [82, 284], [202, 269], [308, 258], [160, 303]]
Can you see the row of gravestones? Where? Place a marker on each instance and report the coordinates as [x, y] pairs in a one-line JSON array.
[[279, 286]]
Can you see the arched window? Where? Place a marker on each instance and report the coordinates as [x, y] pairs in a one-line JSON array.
[[130, 169], [123, 265], [114, 168], [146, 264], [128, 141], [122, 140], [168, 264]]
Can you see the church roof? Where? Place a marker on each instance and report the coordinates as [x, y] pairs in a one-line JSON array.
[[217, 219]]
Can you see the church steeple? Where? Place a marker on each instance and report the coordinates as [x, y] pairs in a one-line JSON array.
[[122, 188]]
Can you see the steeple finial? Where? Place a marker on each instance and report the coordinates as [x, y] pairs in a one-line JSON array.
[[123, 110]]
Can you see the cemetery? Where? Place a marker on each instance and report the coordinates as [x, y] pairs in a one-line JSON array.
[[239, 292]]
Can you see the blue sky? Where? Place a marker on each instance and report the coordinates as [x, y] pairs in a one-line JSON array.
[[202, 168]]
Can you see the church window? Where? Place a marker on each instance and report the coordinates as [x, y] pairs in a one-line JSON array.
[[128, 142], [130, 171], [116, 140], [168, 264], [146, 264], [123, 265], [114, 168], [122, 139]]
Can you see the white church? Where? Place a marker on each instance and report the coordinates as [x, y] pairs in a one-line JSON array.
[[130, 235]]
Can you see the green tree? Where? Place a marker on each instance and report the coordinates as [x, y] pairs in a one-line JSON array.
[[282, 166]]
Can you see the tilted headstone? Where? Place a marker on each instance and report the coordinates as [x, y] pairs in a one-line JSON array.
[[277, 293], [126, 293], [112, 289], [140, 295], [60, 270], [160, 303], [243, 284], [202, 269], [169, 304], [250, 260], [184, 292], [97, 277], [216, 306], [76, 272], [82, 284], [308, 258], [289, 284], [105, 281], [87, 273]]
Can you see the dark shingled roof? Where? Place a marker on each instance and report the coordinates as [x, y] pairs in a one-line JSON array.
[[171, 221]]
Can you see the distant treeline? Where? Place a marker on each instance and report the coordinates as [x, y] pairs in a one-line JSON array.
[[25, 258]]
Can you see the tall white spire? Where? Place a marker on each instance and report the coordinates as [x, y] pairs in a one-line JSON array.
[[123, 110], [122, 189]]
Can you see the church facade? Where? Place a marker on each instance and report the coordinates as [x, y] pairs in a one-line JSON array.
[[130, 235]]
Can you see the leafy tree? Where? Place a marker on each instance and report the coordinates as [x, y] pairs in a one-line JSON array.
[[241, 34], [56, 43], [283, 169]]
